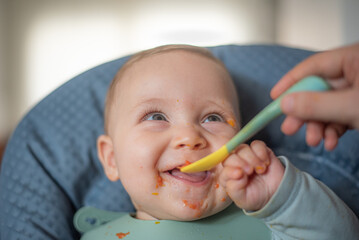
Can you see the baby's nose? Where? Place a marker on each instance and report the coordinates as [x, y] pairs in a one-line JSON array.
[[189, 138]]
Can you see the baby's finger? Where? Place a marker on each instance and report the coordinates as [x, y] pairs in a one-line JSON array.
[[234, 161], [234, 187], [230, 173], [246, 153], [315, 133], [237, 192], [261, 150]]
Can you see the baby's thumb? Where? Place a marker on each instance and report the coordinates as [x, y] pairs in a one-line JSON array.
[[339, 106]]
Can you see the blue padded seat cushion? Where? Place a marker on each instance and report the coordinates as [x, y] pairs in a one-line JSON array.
[[50, 167]]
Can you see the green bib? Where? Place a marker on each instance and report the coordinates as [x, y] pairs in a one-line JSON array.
[[231, 223]]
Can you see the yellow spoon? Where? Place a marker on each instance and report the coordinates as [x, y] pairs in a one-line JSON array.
[[269, 113]]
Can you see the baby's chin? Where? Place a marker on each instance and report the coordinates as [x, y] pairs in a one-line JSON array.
[[192, 211]]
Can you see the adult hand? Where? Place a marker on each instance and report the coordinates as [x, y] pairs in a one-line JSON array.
[[327, 114]]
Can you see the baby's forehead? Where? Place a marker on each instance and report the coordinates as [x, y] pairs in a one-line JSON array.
[[153, 61], [173, 56], [187, 60], [172, 64]]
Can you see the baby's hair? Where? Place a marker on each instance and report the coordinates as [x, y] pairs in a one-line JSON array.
[[147, 53]]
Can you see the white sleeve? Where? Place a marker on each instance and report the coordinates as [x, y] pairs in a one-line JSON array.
[[304, 208]]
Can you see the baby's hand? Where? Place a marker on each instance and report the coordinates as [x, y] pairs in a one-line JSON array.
[[251, 175]]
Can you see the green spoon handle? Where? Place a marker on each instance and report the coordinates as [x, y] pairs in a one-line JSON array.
[[273, 110]]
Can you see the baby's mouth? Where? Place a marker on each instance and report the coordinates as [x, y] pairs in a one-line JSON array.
[[198, 178]]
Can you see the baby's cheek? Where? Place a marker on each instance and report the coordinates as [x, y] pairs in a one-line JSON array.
[[219, 140], [136, 185], [223, 132], [222, 200]]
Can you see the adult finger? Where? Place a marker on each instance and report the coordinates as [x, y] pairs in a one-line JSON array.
[[332, 133], [314, 133], [291, 125], [327, 64], [334, 106]]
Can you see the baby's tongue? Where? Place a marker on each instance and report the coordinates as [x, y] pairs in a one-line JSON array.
[[192, 177]]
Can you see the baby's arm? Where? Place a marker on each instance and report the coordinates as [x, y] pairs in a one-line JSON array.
[[251, 175], [292, 203]]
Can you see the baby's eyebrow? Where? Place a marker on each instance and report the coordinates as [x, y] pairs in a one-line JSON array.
[[220, 103], [158, 102], [154, 102], [148, 101], [167, 101]]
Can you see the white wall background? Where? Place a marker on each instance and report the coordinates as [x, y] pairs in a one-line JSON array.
[[4, 113], [44, 43], [317, 24]]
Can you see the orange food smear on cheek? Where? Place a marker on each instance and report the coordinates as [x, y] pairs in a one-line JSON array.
[[159, 182], [194, 206], [122, 235], [231, 122]]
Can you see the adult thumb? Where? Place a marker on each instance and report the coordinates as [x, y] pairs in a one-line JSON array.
[[341, 106]]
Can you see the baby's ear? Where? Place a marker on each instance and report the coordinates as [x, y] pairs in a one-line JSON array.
[[106, 155]]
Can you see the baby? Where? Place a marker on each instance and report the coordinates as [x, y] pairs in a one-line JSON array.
[[173, 105]]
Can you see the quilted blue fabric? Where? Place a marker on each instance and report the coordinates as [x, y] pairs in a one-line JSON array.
[[50, 167]]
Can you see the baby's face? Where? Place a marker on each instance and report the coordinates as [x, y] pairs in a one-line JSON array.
[[171, 109]]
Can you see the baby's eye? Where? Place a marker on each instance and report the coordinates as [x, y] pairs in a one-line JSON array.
[[155, 117], [213, 118]]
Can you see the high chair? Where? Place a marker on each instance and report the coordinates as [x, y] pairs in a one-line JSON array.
[[50, 167]]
